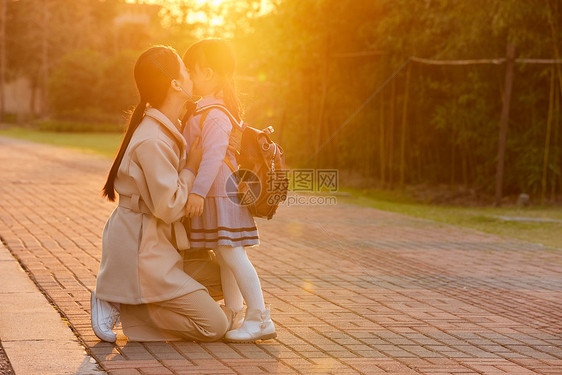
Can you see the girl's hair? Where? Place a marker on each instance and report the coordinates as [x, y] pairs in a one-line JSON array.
[[153, 70], [217, 55]]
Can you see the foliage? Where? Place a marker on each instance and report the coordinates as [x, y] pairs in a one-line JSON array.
[[453, 113], [306, 66], [73, 81], [116, 91]]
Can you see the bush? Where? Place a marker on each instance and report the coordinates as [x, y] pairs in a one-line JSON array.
[[91, 114], [73, 82], [116, 89], [11, 118], [87, 87]]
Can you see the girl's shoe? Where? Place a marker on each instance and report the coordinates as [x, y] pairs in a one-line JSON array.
[[235, 318], [257, 326]]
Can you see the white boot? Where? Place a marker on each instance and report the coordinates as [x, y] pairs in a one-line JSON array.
[[104, 317], [257, 326], [234, 318]]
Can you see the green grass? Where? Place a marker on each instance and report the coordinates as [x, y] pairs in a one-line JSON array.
[[485, 219], [104, 144]]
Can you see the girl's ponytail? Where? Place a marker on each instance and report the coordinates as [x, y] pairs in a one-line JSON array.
[[134, 121], [231, 99]]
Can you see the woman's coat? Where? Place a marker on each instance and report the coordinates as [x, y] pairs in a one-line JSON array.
[[140, 261]]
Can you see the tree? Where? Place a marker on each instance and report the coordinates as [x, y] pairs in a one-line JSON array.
[[73, 82]]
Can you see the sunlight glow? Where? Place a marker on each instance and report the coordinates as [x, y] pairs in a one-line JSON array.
[[213, 18], [174, 3], [213, 3]]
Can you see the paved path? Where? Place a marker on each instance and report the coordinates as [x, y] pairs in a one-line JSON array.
[[353, 290], [35, 338], [5, 366]]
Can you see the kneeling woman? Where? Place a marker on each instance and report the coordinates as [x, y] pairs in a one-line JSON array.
[[141, 276]]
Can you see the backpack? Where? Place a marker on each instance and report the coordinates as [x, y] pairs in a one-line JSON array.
[[261, 175]]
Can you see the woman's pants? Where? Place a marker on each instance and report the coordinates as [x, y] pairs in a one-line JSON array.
[[194, 316]]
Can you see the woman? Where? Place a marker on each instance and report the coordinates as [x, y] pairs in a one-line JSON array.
[[143, 277]]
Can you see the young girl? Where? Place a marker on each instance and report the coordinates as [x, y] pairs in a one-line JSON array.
[[141, 275], [218, 222]]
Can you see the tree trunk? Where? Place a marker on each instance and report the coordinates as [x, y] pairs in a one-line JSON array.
[[33, 96], [554, 34], [453, 150], [403, 131], [504, 121], [320, 121], [556, 143], [3, 20], [464, 159], [391, 134], [308, 84], [381, 141], [547, 137], [44, 58]]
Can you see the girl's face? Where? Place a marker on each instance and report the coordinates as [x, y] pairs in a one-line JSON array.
[[204, 80]]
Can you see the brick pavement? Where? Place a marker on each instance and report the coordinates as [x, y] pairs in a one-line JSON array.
[[5, 367], [353, 290]]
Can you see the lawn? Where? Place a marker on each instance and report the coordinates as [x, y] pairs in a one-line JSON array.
[[104, 144], [485, 219]]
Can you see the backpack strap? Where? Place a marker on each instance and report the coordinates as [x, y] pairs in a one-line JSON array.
[[229, 164], [207, 108], [239, 127]]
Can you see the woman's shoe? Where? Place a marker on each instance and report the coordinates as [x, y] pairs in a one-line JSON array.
[[104, 317], [257, 326]]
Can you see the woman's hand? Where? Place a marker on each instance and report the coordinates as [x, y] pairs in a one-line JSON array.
[[195, 155], [194, 205]]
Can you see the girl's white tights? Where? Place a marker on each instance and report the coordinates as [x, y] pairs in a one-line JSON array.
[[232, 296], [239, 279]]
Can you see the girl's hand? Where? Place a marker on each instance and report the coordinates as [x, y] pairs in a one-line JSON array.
[[195, 155], [194, 205]]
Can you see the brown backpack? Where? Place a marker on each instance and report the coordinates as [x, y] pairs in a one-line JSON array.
[[261, 176]]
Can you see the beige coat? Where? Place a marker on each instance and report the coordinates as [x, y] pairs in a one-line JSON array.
[[140, 261]]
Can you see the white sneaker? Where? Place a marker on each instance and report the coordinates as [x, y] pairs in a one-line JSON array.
[[257, 326], [104, 317]]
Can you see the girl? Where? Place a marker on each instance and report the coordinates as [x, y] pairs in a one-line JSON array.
[[141, 271], [218, 222]]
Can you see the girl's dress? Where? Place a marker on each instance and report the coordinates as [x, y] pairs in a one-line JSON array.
[[224, 221]]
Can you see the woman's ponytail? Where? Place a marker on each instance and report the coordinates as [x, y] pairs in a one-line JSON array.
[[154, 70], [134, 121]]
